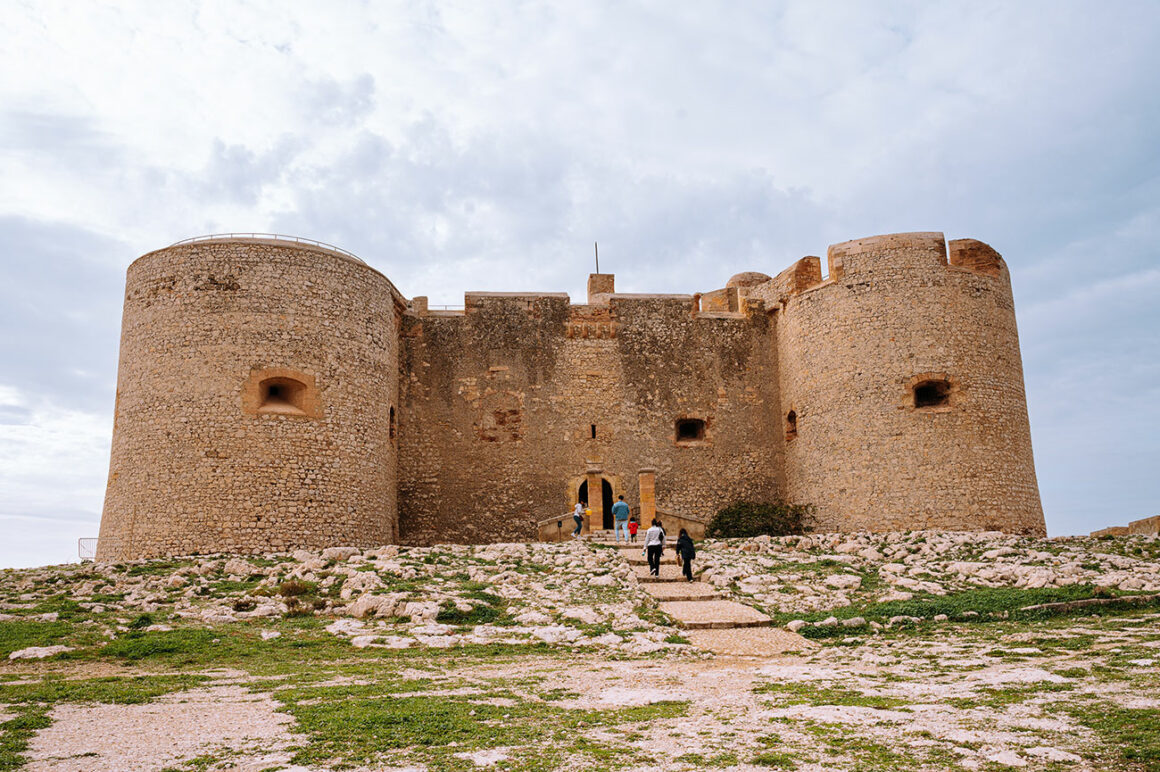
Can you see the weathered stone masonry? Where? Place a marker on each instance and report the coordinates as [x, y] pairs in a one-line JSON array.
[[275, 394]]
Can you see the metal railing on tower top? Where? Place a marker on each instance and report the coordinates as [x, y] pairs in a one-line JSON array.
[[274, 236]]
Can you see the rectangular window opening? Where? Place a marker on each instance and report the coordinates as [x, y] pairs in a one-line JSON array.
[[690, 430]]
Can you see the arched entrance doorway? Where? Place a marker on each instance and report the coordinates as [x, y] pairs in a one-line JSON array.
[[605, 499]]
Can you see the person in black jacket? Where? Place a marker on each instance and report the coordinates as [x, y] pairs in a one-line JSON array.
[[686, 552]]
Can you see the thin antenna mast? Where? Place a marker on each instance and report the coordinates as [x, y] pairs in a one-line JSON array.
[[597, 246]]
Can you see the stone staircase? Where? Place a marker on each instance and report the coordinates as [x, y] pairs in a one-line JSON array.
[[713, 623], [694, 605]]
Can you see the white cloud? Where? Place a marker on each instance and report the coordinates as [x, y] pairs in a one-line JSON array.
[[460, 146], [54, 462]]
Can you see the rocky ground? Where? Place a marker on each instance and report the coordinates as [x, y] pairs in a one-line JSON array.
[[921, 651]]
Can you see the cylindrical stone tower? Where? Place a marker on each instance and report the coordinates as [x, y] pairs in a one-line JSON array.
[[902, 389], [256, 398]]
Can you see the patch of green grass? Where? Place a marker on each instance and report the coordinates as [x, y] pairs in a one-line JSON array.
[[776, 759], [356, 728], [867, 755], [1070, 643], [18, 634], [227, 587], [990, 603], [995, 697], [141, 622], [559, 693], [303, 646], [653, 615], [792, 693], [590, 629], [1131, 735], [122, 690], [642, 713], [15, 734], [353, 723], [719, 761], [156, 567], [139, 646], [61, 604], [489, 609]]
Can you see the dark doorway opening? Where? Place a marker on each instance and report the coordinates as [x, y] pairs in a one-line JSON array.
[[605, 500]]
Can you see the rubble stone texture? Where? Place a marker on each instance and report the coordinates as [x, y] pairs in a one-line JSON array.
[[275, 395]]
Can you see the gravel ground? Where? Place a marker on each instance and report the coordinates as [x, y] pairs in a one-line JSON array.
[[160, 734], [969, 691]]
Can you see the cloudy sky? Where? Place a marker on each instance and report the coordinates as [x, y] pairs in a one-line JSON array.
[[485, 146]]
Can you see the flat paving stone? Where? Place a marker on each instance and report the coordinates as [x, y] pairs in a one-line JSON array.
[[669, 573], [749, 641], [681, 591], [713, 614]]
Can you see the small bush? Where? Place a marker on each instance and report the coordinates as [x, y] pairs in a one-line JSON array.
[[245, 604], [748, 518], [292, 587], [480, 614], [141, 622], [298, 607]]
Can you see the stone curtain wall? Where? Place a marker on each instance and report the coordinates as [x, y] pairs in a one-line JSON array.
[[499, 404], [197, 466], [718, 367], [893, 313]]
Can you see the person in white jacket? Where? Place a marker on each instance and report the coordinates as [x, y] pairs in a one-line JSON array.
[[654, 545], [578, 516]]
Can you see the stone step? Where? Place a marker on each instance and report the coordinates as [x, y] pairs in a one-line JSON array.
[[669, 573], [713, 614], [681, 591], [636, 559], [750, 641]]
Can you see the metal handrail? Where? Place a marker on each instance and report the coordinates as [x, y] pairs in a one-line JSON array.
[[275, 236], [548, 520]]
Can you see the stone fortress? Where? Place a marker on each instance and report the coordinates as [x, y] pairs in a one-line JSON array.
[[275, 393]]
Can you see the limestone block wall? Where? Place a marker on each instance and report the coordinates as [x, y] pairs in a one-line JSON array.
[[507, 405], [895, 314], [256, 394], [1145, 526]]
